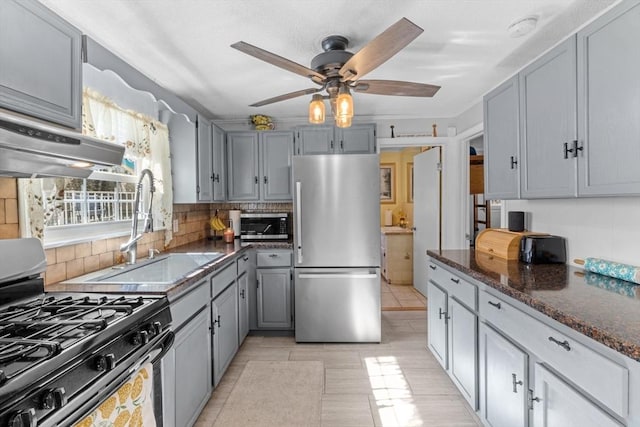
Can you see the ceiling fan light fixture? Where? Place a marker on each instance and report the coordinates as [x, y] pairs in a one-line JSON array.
[[316, 109], [343, 121], [344, 103]]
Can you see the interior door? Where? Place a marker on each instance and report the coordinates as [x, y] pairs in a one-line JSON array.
[[426, 212]]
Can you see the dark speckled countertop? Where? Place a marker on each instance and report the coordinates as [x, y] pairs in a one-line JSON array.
[[604, 309], [230, 250]]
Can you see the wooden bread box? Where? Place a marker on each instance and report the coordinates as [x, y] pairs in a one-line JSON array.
[[501, 242]]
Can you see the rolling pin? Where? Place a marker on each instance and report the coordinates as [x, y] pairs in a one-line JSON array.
[[627, 272]]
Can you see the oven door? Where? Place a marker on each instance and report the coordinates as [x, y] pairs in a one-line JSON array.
[[132, 393]]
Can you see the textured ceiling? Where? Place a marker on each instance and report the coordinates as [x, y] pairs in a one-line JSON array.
[[183, 45]]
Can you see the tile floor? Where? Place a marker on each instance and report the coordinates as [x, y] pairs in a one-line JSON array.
[[395, 383], [401, 297]]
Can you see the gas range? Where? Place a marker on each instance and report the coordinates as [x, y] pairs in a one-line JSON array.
[[61, 352]]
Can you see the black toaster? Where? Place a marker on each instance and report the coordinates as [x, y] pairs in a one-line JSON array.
[[543, 250]]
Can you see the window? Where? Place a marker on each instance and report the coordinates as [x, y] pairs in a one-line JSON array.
[[69, 210]]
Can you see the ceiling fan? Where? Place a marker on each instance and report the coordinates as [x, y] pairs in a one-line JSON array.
[[338, 71]]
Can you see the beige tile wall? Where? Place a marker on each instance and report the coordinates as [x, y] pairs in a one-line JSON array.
[[71, 261], [9, 228]]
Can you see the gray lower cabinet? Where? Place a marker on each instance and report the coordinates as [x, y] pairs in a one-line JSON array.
[[437, 323], [453, 329], [41, 65], [501, 122], [274, 298], [192, 364], [259, 165], [327, 139], [224, 330], [505, 385], [548, 124], [608, 100], [186, 368]]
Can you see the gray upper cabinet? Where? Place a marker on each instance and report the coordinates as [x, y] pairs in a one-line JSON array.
[[357, 139], [218, 165], [314, 140], [40, 63], [242, 162], [276, 152], [501, 136], [548, 124], [259, 165], [609, 103], [205, 161]]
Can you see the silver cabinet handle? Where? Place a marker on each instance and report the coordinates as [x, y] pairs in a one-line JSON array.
[[515, 383], [564, 344], [337, 276]]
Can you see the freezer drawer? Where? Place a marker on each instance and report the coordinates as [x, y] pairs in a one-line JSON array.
[[337, 305]]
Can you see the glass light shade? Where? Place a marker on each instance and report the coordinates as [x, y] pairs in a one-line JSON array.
[[316, 110], [343, 121], [344, 103]]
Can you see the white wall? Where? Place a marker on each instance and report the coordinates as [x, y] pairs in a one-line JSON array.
[[607, 228]]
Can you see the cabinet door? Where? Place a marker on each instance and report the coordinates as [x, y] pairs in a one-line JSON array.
[[501, 174], [274, 298], [243, 307], [608, 125], [357, 139], [205, 166], [463, 344], [548, 124], [315, 140], [225, 327], [437, 323], [184, 157], [559, 404], [218, 164], [276, 151], [504, 368], [192, 369], [242, 155], [41, 67]]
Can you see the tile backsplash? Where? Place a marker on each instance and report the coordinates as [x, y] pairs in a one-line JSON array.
[[74, 260]]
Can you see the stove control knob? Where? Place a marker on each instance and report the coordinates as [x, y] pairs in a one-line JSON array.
[[157, 327], [100, 363], [136, 338], [144, 335], [24, 419], [54, 398], [111, 361]]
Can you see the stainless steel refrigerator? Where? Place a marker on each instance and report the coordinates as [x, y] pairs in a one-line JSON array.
[[337, 248]]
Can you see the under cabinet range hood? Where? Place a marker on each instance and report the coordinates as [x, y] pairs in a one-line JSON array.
[[30, 148]]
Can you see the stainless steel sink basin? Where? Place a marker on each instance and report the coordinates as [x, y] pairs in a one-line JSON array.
[[163, 270]]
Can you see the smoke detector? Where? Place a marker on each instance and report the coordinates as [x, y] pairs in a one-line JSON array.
[[522, 26]]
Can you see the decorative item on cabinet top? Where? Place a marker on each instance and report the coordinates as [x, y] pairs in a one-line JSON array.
[[262, 122]]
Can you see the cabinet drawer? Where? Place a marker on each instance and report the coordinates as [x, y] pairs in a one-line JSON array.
[[222, 279], [457, 287], [243, 262], [274, 259], [600, 377], [189, 304]]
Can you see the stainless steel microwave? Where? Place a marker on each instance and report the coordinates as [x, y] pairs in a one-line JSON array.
[[264, 226]]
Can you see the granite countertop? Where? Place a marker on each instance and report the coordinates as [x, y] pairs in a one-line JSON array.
[[230, 251], [396, 230], [602, 308]]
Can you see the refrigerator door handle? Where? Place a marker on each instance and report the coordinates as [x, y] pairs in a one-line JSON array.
[[337, 276], [299, 220]]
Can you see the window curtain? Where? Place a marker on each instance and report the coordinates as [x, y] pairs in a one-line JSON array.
[[146, 142]]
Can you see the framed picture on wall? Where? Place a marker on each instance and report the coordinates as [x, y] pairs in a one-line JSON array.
[[387, 183], [410, 182]]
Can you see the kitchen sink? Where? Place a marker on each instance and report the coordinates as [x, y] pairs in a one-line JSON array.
[[163, 270]]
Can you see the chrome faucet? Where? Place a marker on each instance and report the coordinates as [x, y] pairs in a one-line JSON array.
[[131, 246]]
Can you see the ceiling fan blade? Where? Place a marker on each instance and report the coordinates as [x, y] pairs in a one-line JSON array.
[[278, 61], [286, 96], [379, 50], [394, 87]]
